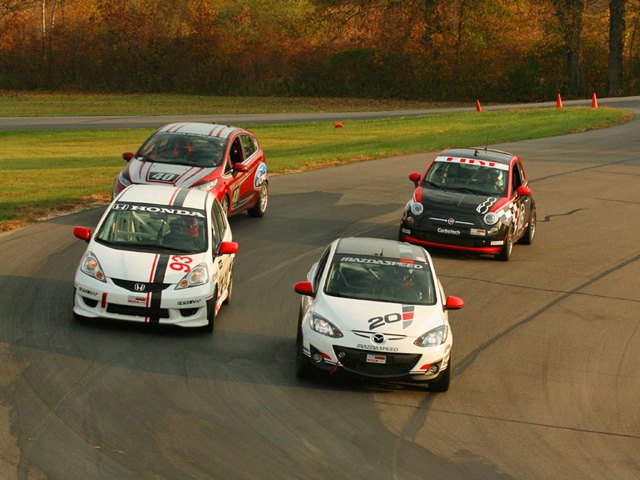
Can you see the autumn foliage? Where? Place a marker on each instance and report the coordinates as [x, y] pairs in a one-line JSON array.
[[497, 50]]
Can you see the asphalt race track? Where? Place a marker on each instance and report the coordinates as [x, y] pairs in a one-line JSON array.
[[545, 382]]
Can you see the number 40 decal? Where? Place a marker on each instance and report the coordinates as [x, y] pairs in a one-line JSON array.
[[376, 322], [163, 177], [180, 263]]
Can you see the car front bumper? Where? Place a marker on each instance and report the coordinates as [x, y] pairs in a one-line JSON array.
[[186, 307], [455, 239], [359, 356]]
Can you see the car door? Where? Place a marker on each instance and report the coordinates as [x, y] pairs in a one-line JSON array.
[[253, 157], [238, 175], [522, 203], [221, 232]]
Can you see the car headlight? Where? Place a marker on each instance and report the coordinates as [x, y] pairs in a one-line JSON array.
[[206, 185], [491, 218], [91, 266], [123, 178], [433, 338], [416, 208], [323, 326], [198, 275]]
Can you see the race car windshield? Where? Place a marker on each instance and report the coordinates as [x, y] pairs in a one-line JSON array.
[[148, 227], [466, 177], [183, 149], [381, 279]]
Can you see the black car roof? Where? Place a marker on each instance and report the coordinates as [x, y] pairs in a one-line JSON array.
[[480, 153]]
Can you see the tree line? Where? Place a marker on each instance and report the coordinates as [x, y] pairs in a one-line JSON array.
[[496, 50]]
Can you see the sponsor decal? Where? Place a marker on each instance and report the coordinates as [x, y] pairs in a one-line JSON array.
[[497, 242], [378, 348], [407, 231], [261, 175], [137, 300], [473, 161], [88, 292], [378, 261], [379, 359], [152, 209], [448, 231], [478, 231], [190, 302], [486, 205]]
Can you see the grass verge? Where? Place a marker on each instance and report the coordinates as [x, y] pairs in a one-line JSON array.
[[37, 104], [52, 171]]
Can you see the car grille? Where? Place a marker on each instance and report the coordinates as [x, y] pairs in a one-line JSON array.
[[137, 311], [148, 287], [396, 365]]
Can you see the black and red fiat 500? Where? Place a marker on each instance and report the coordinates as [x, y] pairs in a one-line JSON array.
[[473, 200]]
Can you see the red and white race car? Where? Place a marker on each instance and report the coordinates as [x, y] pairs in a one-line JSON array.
[[226, 161]]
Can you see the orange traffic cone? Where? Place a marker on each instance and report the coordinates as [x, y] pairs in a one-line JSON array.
[[478, 106], [594, 100], [559, 101], [338, 125]]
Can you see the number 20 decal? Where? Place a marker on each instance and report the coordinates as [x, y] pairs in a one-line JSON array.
[[180, 263], [376, 322]]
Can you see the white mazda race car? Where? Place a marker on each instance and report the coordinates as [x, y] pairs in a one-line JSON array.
[[159, 255], [375, 308]]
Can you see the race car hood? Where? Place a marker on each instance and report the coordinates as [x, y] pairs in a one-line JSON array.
[[456, 201], [143, 266], [166, 174], [382, 317]]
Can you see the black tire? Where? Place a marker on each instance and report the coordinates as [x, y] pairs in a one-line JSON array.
[[530, 233], [505, 254], [224, 203], [211, 313], [259, 209], [442, 384]]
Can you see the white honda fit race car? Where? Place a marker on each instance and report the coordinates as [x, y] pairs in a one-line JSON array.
[[158, 255], [375, 308]]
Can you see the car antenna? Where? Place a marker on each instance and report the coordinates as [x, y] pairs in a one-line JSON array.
[[486, 144]]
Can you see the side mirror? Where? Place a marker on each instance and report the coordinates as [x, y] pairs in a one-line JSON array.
[[240, 167], [227, 248], [454, 303], [83, 233], [304, 288], [415, 178], [127, 156], [524, 191]]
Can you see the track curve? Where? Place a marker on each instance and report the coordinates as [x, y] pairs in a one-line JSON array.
[[545, 357]]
